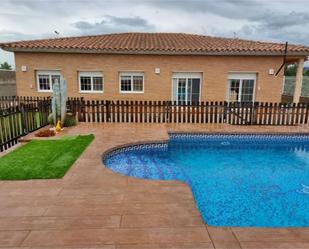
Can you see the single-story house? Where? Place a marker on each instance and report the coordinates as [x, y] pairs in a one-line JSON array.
[[156, 66]]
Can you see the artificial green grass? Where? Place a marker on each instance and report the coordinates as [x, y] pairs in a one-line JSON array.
[[43, 159]]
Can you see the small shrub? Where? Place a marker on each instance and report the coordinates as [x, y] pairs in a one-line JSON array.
[[45, 133], [69, 120]]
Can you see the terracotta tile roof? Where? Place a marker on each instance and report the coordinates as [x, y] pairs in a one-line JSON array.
[[154, 43]]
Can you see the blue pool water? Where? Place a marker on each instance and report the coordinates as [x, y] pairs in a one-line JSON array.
[[236, 180]]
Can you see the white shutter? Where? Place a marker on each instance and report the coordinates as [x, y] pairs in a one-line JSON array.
[[242, 76], [192, 75]]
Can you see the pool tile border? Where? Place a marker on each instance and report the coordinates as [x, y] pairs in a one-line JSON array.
[[194, 136], [199, 136]]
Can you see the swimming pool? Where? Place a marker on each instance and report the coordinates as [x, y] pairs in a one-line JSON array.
[[236, 180]]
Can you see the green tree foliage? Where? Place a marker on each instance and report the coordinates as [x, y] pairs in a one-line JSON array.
[[290, 70], [6, 66]]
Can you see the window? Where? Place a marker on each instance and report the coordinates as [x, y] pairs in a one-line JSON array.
[[186, 87], [131, 82], [46, 79], [90, 82], [241, 87]]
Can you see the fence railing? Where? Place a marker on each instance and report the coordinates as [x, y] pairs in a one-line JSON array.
[[19, 116], [236, 113]]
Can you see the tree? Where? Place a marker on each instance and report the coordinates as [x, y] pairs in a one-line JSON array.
[[290, 70], [6, 66]]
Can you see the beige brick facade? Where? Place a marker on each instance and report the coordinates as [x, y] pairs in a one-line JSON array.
[[214, 69]]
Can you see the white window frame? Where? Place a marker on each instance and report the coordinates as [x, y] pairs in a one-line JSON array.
[[186, 75], [50, 73], [90, 74], [241, 77], [131, 74]]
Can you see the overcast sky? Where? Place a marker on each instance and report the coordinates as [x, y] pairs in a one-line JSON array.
[[275, 20]]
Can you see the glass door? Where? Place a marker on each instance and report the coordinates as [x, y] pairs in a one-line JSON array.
[[186, 90]]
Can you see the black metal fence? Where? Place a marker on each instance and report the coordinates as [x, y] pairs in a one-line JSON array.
[[19, 116]]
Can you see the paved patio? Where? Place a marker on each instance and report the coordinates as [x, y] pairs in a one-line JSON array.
[[92, 207]]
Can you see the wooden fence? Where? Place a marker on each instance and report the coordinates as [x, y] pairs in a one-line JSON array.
[[19, 116], [236, 113]]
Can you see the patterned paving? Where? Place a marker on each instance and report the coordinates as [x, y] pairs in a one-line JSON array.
[[92, 207]]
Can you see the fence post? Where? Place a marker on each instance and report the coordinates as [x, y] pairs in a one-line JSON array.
[[23, 119], [108, 111]]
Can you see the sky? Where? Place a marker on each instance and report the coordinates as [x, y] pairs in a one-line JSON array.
[[265, 20]]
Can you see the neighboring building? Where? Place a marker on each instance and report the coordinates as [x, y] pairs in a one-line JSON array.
[[155, 66], [7, 83]]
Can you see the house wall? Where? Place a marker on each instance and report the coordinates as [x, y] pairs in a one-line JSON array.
[[215, 71]]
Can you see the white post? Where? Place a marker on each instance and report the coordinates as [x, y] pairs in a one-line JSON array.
[[299, 80]]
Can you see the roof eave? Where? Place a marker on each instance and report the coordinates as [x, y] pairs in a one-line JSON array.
[[147, 52]]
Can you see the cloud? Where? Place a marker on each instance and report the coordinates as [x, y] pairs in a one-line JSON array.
[[11, 35], [114, 24], [277, 20], [233, 9], [278, 26]]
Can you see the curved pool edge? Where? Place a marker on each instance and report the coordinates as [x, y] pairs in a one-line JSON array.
[[120, 148], [108, 152]]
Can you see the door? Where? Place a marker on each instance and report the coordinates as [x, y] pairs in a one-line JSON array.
[[186, 88]]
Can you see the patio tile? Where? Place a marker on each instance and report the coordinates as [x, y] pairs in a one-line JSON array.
[[30, 188], [223, 238], [168, 246], [13, 201], [96, 180], [12, 238], [22, 211], [264, 234], [46, 223], [187, 209], [160, 220], [274, 245], [82, 210], [65, 247], [38, 203], [301, 233], [104, 199], [119, 236], [92, 191]]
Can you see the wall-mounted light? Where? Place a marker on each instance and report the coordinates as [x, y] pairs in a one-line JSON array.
[[271, 71], [157, 70], [24, 68]]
